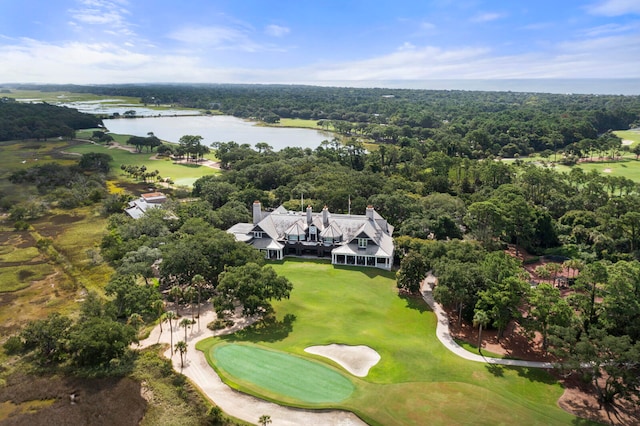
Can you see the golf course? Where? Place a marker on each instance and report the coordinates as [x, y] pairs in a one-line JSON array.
[[416, 378]]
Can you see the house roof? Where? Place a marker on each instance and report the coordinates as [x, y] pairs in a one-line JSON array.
[[282, 222], [331, 231], [299, 227]]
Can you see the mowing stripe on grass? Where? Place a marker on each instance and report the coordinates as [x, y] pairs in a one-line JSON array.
[[283, 374]]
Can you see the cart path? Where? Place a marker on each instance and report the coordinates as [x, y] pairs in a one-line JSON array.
[[443, 334]]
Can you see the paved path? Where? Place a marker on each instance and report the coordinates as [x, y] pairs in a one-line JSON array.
[[442, 332], [232, 402]]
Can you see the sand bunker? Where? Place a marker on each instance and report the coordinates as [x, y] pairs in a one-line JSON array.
[[627, 142], [607, 171], [357, 360]]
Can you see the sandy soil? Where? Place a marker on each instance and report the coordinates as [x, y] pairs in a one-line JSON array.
[[357, 360], [232, 402]]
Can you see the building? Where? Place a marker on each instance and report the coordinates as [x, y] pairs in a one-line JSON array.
[[359, 240], [140, 205]]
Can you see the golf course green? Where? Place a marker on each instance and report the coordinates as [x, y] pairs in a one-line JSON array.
[[282, 373]]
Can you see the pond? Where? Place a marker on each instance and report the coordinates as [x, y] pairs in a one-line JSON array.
[[218, 128]]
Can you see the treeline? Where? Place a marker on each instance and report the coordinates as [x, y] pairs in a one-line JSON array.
[[19, 121], [458, 123], [430, 195]]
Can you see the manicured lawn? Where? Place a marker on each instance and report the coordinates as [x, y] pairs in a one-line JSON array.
[[181, 174], [283, 374], [632, 135], [417, 380]]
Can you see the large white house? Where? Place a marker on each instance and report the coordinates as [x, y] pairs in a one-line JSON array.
[[139, 206], [359, 240]]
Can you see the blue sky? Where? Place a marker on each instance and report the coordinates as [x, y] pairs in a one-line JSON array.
[[257, 41]]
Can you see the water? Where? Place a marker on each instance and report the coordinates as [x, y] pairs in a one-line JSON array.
[[595, 86], [112, 106], [217, 128]]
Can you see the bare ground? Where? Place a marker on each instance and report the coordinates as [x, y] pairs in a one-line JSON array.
[[33, 401]]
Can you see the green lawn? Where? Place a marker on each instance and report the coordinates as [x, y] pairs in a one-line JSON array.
[[417, 378], [181, 174], [632, 135], [291, 376]]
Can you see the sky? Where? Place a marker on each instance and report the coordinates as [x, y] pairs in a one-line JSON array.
[[302, 42]]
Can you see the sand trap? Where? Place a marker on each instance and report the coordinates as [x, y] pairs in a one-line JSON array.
[[357, 360], [627, 142], [606, 171]]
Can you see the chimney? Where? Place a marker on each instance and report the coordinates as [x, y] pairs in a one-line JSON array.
[[309, 211], [370, 212], [325, 216], [257, 212]]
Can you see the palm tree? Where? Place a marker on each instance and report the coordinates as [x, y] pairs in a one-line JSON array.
[[189, 293], [198, 281], [554, 269], [185, 323], [176, 295], [542, 272], [170, 316], [574, 265], [480, 319], [158, 306], [264, 420], [136, 321], [181, 347]]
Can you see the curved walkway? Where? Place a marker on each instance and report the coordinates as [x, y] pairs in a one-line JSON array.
[[232, 402], [442, 332]]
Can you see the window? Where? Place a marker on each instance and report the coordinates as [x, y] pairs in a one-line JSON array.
[[362, 243], [257, 234]]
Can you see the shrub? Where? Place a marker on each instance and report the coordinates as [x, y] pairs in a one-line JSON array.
[[21, 225], [14, 345], [220, 323]]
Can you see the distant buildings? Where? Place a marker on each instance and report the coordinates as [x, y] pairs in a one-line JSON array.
[[147, 201], [358, 240]]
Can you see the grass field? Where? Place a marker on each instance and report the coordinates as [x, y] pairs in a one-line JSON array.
[[295, 378], [417, 380], [181, 174], [631, 135]]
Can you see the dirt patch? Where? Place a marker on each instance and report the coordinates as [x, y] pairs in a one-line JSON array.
[[17, 239], [107, 401], [579, 399], [64, 219]]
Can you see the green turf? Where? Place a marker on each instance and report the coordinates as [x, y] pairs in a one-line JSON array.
[[416, 378], [181, 174], [284, 374], [631, 135]]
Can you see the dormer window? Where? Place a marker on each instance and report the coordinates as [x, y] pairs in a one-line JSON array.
[[257, 234], [362, 243]]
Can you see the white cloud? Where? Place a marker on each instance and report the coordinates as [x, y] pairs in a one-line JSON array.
[[276, 30], [109, 14], [487, 17], [615, 7]]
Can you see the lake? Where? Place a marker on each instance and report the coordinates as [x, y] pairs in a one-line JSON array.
[[217, 128]]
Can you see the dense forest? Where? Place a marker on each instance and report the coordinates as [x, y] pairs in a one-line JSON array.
[[459, 123], [20, 121]]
